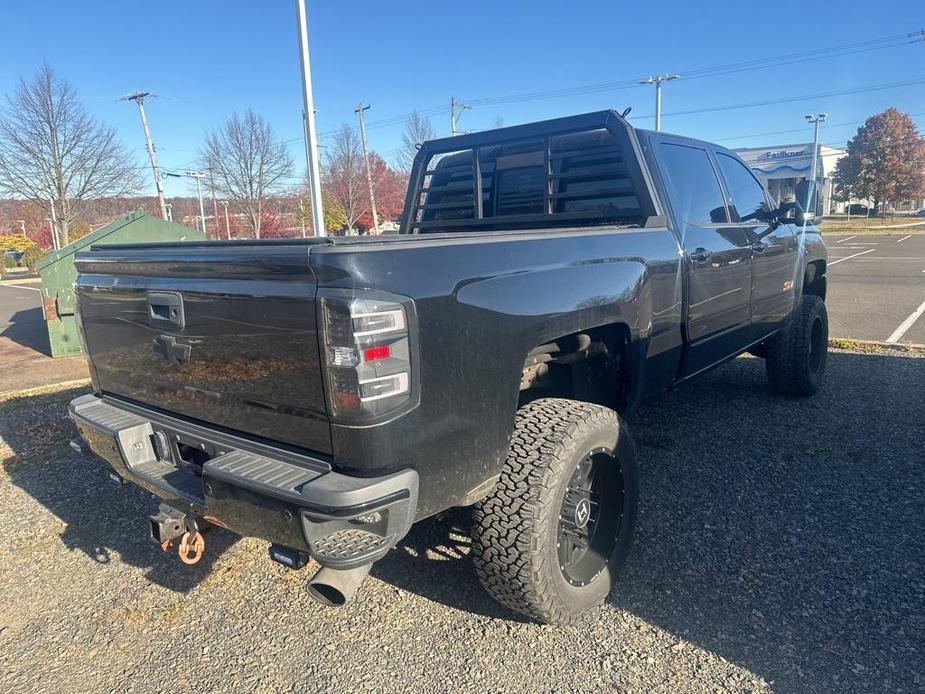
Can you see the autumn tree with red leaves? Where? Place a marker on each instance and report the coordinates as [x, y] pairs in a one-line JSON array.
[[885, 161]]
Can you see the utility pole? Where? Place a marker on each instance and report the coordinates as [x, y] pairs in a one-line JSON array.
[[454, 116], [657, 81], [816, 121], [227, 225], [308, 113], [139, 99], [369, 174], [198, 175]]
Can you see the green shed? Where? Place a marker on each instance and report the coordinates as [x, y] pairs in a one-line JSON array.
[[58, 273]]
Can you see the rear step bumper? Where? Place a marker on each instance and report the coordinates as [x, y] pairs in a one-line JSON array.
[[342, 521]]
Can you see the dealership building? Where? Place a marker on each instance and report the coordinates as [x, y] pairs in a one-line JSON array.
[[782, 168]]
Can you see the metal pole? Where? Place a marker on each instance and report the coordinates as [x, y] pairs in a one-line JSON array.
[[816, 121], [227, 225], [214, 200], [658, 104], [311, 143], [657, 81], [139, 98], [202, 212], [369, 174], [53, 220]]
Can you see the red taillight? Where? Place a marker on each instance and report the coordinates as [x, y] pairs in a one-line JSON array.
[[368, 354], [379, 352]]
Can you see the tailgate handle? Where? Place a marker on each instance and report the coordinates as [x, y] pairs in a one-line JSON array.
[[166, 307]]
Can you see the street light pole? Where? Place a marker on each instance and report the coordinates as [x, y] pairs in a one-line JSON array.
[[308, 113], [816, 121], [198, 175], [227, 225], [657, 81], [369, 174]]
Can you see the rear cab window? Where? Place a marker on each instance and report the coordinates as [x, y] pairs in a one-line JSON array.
[[562, 180]]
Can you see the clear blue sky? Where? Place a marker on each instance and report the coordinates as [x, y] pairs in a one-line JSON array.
[[206, 59]]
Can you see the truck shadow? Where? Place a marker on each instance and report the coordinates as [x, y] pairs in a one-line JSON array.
[[784, 535], [104, 521]]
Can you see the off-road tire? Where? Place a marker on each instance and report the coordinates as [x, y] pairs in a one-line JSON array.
[[796, 356], [515, 528]]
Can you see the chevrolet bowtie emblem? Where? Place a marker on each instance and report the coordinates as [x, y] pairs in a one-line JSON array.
[[173, 352]]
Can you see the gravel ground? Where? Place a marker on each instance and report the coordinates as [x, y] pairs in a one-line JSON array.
[[780, 548]]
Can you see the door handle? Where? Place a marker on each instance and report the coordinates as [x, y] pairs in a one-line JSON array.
[[166, 307], [759, 246], [701, 255]]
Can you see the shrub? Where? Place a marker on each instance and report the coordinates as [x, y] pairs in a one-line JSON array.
[[14, 242], [31, 256]]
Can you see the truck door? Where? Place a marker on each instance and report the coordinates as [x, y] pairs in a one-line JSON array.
[[775, 261], [718, 256]]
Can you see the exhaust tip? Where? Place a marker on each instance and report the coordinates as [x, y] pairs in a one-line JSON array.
[[336, 587], [329, 596]]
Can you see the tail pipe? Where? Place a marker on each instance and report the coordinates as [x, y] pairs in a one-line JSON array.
[[336, 587]]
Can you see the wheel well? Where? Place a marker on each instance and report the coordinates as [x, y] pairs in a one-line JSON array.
[[815, 282], [588, 365]]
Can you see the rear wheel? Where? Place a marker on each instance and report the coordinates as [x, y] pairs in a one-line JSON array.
[[550, 539], [796, 356]]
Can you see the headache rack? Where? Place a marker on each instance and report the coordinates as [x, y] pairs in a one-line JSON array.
[[576, 171]]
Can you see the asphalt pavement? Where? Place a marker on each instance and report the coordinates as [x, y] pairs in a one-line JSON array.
[[25, 355], [876, 286]]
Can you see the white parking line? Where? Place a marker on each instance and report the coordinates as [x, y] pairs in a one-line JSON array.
[[21, 286], [849, 257], [906, 324], [847, 238], [904, 238]]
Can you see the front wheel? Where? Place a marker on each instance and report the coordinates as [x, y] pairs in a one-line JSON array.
[[796, 356], [550, 539]]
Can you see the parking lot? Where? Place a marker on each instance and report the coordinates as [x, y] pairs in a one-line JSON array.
[[876, 285]]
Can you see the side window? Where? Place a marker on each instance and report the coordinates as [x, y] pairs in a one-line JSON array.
[[694, 186], [748, 200]]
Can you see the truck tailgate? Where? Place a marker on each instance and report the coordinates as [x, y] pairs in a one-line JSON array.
[[223, 333]]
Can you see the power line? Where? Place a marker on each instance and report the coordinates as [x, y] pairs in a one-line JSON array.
[[803, 97], [718, 70], [829, 126]]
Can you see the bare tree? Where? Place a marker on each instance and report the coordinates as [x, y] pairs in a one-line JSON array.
[[417, 130], [344, 175], [56, 155], [248, 163]]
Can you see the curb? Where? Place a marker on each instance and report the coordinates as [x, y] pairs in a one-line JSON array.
[[852, 344]]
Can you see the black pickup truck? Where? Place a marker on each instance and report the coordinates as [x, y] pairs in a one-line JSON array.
[[324, 394]]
